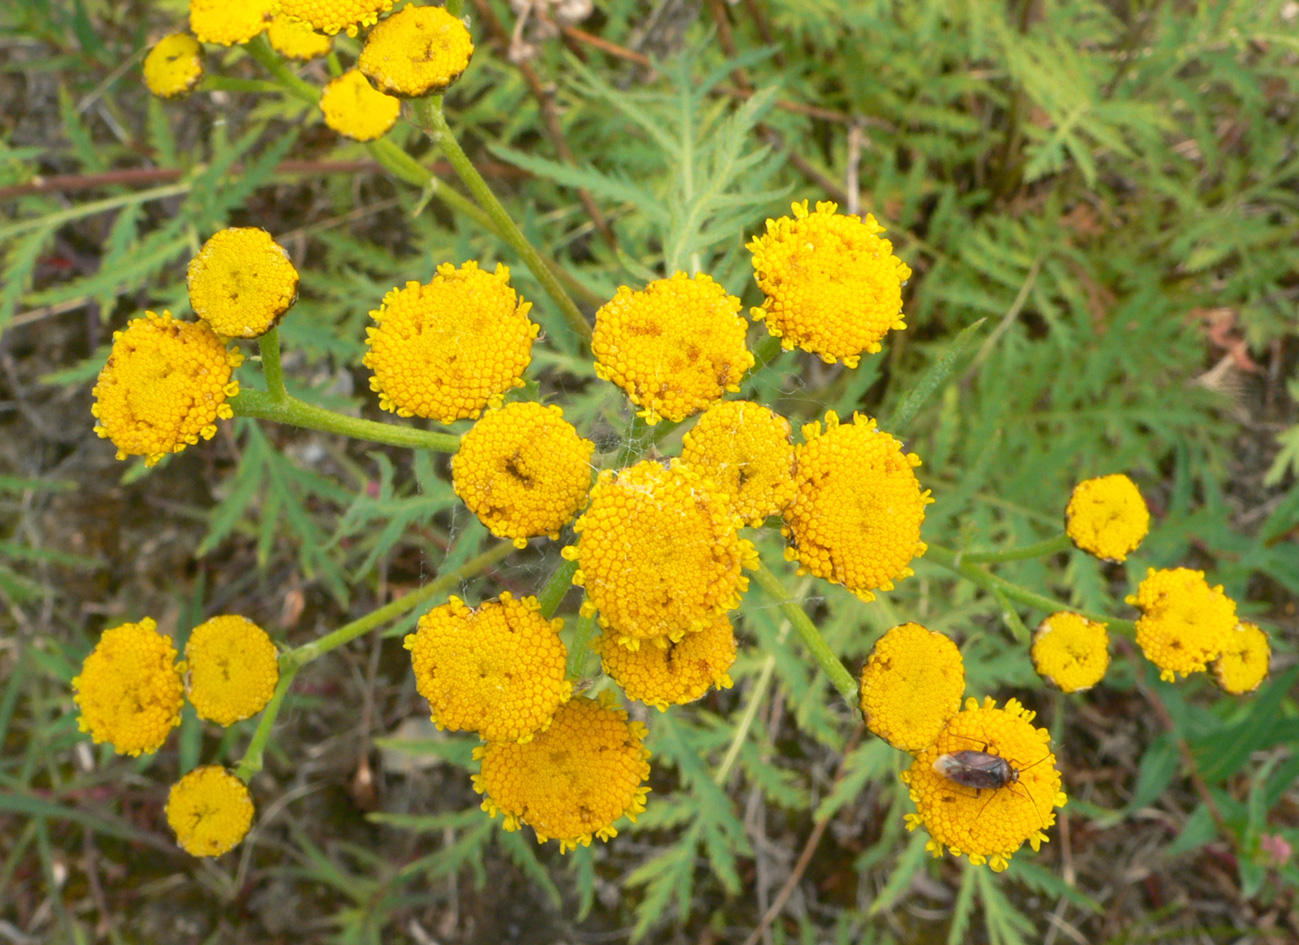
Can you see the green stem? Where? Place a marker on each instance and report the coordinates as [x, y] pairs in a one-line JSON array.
[[264, 406], [251, 763], [993, 584], [225, 83], [746, 721], [812, 639], [269, 343], [580, 651], [1041, 549], [429, 117], [556, 588], [260, 49], [638, 438]]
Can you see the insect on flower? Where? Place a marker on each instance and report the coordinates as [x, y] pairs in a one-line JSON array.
[[983, 771]]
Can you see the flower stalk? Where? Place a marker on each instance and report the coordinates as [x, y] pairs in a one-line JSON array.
[[288, 409], [269, 344]]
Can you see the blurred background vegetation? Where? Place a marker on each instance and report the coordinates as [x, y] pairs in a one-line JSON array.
[[1113, 186]]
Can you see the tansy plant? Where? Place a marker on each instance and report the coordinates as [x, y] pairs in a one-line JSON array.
[[664, 537]]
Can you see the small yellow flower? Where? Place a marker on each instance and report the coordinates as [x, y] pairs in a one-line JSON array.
[[1243, 665], [165, 385], [1070, 651], [354, 109], [833, 286], [523, 470], [174, 66], [675, 347], [210, 811], [241, 282], [1107, 517], [680, 673], [659, 554], [986, 825], [573, 780], [229, 22], [911, 686], [295, 39], [1185, 624], [129, 690], [233, 669], [449, 348], [745, 449], [855, 519], [416, 52], [498, 670]]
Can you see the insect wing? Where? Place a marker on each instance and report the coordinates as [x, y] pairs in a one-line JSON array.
[[975, 769]]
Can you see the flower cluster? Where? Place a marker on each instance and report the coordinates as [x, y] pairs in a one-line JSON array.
[[675, 347], [832, 284], [1185, 624], [857, 509], [452, 347], [1107, 517], [523, 470], [659, 555], [497, 670]]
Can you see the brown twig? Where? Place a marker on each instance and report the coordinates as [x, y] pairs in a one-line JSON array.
[[549, 117], [764, 29], [809, 848]]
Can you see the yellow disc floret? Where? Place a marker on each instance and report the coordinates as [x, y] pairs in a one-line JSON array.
[[210, 811], [573, 780], [676, 674], [241, 282], [1243, 665], [129, 689], [659, 554], [353, 108], [233, 669], [334, 16], [675, 347], [498, 670], [1070, 651], [987, 824], [1185, 624], [295, 39], [451, 347], [832, 284], [1107, 517], [163, 387], [229, 22], [857, 510], [745, 449], [174, 66], [417, 51], [523, 470], [911, 686]]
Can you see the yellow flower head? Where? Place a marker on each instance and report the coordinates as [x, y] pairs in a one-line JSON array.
[[659, 554], [523, 470], [416, 52], [1243, 665], [165, 385], [333, 16], [833, 286], [498, 670], [353, 108], [451, 347], [241, 282], [1107, 517], [675, 347], [174, 66], [745, 449], [573, 780], [233, 669], [856, 515], [1185, 624], [1071, 652], [985, 824], [911, 686], [673, 675], [129, 690], [210, 810], [229, 22], [295, 39]]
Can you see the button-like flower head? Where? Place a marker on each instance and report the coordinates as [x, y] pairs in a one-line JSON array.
[[1107, 517], [241, 282], [229, 22], [210, 811], [233, 669], [353, 108], [676, 674], [911, 686], [745, 449], [1185, 624], [129, 689], [335, 16], [174, 66], [417, 51], [1243, 665], [1070, 651], [295, 39]]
